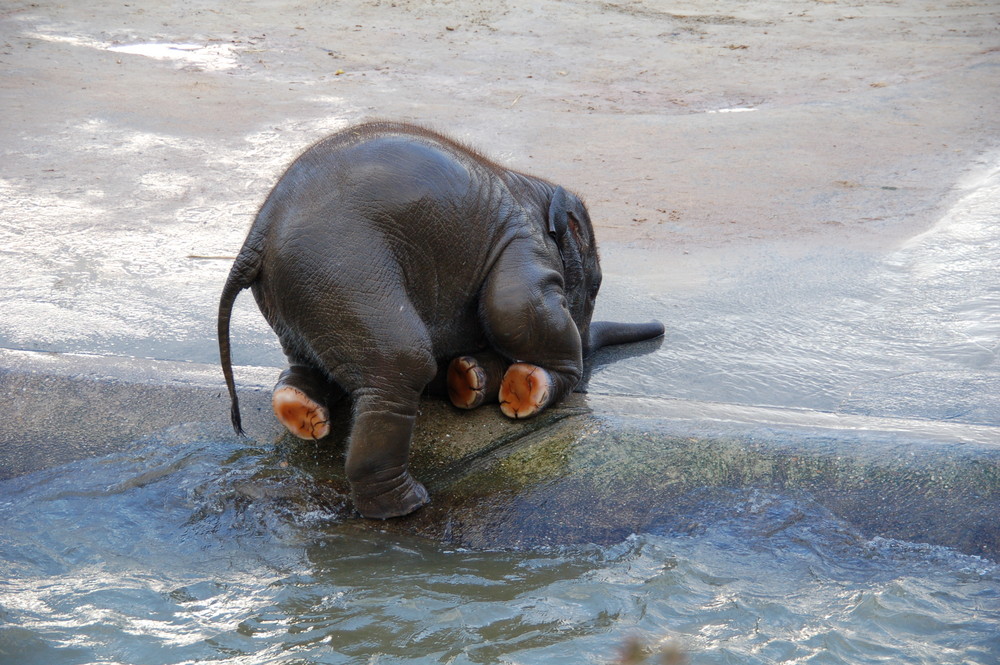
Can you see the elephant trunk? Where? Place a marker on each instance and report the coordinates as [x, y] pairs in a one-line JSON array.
[[606, 333]]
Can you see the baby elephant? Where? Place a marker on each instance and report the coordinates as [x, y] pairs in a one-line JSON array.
[[388, 255]]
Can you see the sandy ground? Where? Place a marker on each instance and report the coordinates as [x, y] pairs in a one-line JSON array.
[[139, 137]]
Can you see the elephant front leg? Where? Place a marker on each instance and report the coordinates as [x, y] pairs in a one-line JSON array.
[[378, 459], [522, 389], [525, 313], [526, 390], [301, 401], [474, 380]]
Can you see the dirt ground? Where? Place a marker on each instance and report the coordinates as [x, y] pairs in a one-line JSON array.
[[139, 137]]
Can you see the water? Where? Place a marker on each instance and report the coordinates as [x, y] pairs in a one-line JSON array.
[[911, 333], [217, 552]]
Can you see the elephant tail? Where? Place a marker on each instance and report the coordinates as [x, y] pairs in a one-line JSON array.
[[242, 275]]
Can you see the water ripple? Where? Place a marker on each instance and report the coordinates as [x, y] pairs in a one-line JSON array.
[[201, 551]]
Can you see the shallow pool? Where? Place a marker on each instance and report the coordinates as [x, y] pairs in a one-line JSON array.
[[209, 551]]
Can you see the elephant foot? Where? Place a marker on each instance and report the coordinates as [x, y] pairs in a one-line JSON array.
[[525, 390], [466, 382], [394, 498], [299, 413]]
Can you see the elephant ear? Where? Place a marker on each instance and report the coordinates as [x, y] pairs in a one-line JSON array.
[[569, 225], [565, 215]]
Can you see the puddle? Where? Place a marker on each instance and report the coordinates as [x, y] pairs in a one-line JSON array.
[[214, 552]]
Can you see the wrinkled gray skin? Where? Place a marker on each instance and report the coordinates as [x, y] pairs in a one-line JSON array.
[[385, 251]]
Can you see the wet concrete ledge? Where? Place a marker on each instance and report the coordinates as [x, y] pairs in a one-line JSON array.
[[594, 469]]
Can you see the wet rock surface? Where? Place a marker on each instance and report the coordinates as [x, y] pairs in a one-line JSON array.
[[594, 469]]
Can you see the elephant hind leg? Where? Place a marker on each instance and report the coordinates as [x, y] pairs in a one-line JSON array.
[[300, 415], [301, 401]]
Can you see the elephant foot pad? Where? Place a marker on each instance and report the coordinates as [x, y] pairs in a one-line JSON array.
[[301, 415], [466, 383], [525, 390]]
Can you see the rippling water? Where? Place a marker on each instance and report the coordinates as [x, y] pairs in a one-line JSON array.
[[207, 551]]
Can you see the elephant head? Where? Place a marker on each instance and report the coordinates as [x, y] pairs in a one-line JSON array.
[[570, 226]]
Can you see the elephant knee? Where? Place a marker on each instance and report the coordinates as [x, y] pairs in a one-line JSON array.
[[405, 373], [421, 366]]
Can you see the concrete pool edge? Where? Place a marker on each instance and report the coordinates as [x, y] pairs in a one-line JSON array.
[[64, 407]]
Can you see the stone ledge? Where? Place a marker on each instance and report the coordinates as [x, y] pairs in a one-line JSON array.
[[593, 469]]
